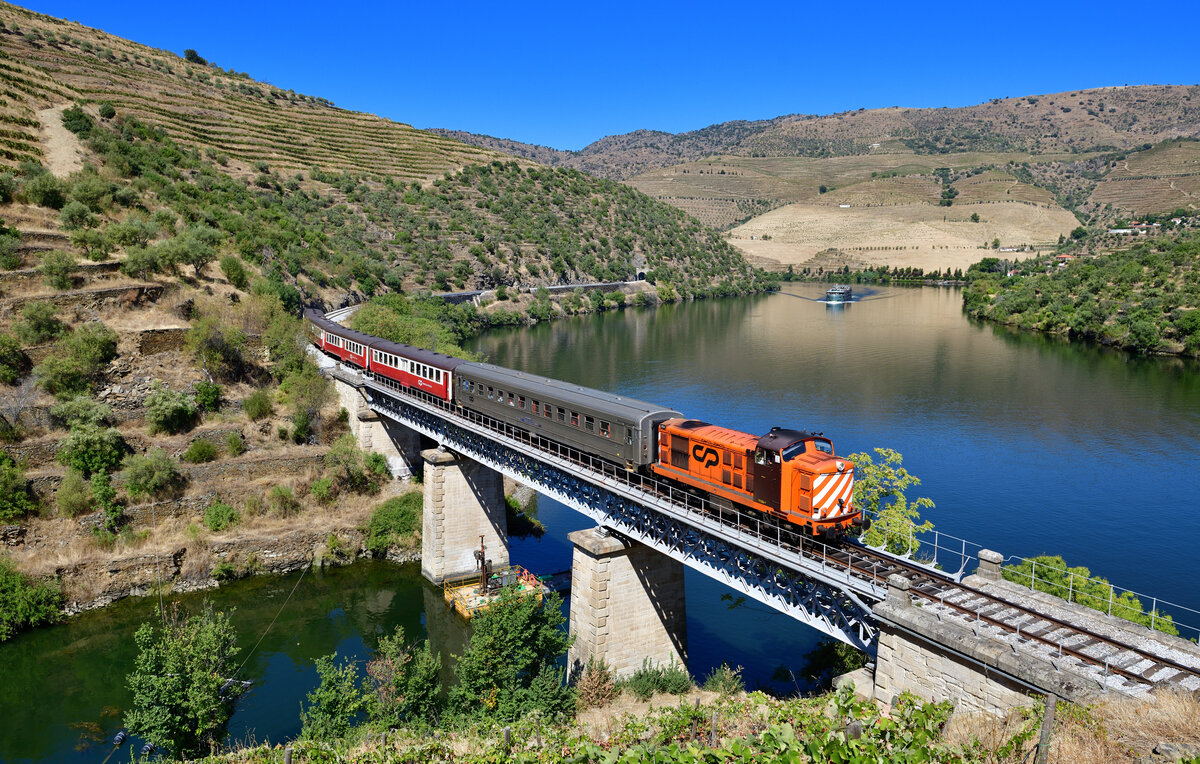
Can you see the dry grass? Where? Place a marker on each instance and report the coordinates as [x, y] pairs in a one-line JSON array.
[[1118, 730], [920, 235], [1141, 183], [606, 721]]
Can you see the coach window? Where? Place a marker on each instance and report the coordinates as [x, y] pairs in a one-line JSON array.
[[574, 418], [490, 392], [510, 399], [549, 411], [589, 424], [520, 401], [562, 415], [604, 429], [536, 410]]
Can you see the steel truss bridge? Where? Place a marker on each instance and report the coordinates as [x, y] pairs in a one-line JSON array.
[[830, 588]]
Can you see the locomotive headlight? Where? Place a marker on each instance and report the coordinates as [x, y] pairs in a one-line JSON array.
[[841, 466]]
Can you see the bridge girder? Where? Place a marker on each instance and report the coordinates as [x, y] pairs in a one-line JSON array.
[[828, 604]]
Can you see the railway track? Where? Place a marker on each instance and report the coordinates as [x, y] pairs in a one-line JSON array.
[[1023, 624]]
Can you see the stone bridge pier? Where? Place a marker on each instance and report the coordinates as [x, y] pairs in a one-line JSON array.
[[463, 501], [397, 443], [627, 604]]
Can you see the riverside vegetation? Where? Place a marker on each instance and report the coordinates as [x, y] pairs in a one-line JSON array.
[[1143, 298]]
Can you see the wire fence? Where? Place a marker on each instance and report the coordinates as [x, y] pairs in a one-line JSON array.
[[952, 554]]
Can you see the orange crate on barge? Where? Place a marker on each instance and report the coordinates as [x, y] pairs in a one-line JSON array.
[[789, 474]]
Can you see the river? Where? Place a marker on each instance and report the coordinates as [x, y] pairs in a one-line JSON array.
[[1026, 444]]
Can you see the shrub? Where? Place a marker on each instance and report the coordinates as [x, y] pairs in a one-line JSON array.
[[39, 323], [76, 215], [377, 465], [200, 451], [77, 360], [595, 687], [44, 190], [394, 518], [74, 495], [153, 474], [107, 111], [725, 680], [169, 411], [235, 272], [140, 262], [650, 679], [14, 364], [234, 444], [282, 501], [15, 499], [25, 602], [219, 516], [322, 490], [258, 405], [91, 449], [333, 708], [345, 463], [9, 257], [81, 411], [105, 498], [208, 395], [77, 121], [8, 187], [407, 688], [58, 269]]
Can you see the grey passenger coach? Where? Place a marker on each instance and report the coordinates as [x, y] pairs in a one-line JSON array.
[[621, 429]]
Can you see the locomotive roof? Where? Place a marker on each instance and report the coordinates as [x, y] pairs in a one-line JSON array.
[[568, 393], [421, 355], [780, 438]]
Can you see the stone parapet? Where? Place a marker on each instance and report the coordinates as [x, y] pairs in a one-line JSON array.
[[943, 659]]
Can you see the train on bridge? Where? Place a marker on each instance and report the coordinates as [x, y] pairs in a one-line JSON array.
[[789, 474]]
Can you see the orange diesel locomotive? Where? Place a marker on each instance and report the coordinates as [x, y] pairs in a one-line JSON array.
[[789, 474]]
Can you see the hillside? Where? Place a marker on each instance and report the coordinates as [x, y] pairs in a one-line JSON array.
[[1078, 121]]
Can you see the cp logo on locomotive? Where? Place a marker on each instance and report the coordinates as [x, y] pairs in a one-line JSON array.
[[707, 455]]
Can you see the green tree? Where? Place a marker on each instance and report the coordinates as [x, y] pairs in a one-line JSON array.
[[509, 668], [219, 350], [334, 707], [974, 217], [15, 499], [95, 244], [58, 269], [152, 474], [879, 491], [77, 360], [25, 602], [1052, 575], [39, 323], [14, 364], [169, 411], [181, 682], [405, 680], [91, 449], [76, 215]]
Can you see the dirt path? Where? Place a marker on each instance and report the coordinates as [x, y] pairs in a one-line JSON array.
[[63, 152]]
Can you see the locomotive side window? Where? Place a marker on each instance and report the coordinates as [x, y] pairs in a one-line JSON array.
[[823, 446]]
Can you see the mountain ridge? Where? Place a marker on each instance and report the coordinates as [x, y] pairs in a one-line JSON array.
[[1111, 117]]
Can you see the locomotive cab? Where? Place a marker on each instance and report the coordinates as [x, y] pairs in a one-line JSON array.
[[808, 483]]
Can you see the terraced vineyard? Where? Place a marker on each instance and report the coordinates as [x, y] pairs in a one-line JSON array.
[[1163, 179], [46, 62]]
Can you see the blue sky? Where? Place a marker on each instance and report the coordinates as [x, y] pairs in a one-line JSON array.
[[566, 74]]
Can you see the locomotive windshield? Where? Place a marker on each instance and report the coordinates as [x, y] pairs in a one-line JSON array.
[[796, 449]]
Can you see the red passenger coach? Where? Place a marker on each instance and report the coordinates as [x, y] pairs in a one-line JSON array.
[[414, 368]]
